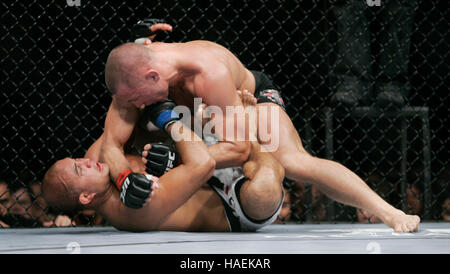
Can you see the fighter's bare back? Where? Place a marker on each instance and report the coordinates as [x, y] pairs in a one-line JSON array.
[[207, 66]]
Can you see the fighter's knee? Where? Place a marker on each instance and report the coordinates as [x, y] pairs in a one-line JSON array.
[[279, 171], [272, 169], [262, 195], [269, 181]]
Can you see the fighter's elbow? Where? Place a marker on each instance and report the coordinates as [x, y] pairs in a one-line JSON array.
[[208, 165], [109, 145], [204, 166], [103, 151]]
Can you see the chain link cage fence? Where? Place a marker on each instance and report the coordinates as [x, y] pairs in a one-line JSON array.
[[54, 99]]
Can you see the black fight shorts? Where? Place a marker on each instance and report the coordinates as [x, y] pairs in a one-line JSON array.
[[266, 91]]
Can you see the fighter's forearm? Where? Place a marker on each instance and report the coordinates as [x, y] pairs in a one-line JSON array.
[[114, 157], [229, 154], [119, 125], [192, 149]]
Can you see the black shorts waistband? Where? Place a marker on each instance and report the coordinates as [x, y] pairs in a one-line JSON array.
[[266, 91]]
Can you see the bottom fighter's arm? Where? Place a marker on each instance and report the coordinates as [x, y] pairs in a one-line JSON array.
[[174, 187], [229, 153], [180, 183]]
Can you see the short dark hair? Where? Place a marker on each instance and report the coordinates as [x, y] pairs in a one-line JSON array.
[[121, 62]]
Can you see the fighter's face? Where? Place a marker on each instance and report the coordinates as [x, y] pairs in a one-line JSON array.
[[89, 171], [85, 174]]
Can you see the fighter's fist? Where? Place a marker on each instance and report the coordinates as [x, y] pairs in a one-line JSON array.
[[162, 114], [159, 158], [134, 188]]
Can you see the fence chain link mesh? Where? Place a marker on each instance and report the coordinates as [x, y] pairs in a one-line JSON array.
[[54, 100]]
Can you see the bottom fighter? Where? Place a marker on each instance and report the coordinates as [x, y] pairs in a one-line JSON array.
[[239, 199]]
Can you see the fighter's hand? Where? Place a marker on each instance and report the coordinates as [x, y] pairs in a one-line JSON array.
[[145, 31], [135, 188], [154, 29], [159, 158], [159, 27], [162, 114]]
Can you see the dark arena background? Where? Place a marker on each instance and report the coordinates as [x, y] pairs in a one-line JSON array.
[[54, 98]]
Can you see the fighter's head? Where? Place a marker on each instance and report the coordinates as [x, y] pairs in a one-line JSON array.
[[133, 75], [74, 184]]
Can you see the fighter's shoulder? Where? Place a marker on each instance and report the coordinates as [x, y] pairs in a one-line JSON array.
[[121, 105], [210, 50], [203, 43], [122, 109], [212, 77]]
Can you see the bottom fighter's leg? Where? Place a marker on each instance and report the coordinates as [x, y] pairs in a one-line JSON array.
[[332, 178], [261, 194]]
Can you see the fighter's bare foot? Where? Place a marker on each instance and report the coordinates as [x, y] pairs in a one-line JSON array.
[[402, 222]]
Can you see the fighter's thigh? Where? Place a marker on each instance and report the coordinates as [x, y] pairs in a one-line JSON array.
[[276, 132], [284, 143]]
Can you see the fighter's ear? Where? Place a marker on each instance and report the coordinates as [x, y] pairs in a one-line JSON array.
[[152, 74], [85, 198]]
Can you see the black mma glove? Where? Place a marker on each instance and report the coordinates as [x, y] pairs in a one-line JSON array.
[[134, 188], [162, 114], [160, 159]]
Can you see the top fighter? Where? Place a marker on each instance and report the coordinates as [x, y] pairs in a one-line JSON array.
[[142, 75]]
